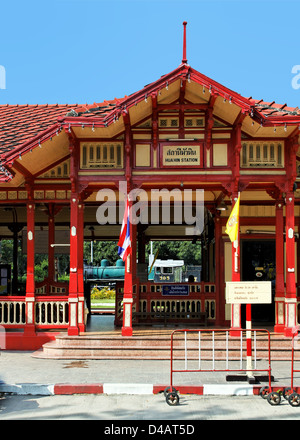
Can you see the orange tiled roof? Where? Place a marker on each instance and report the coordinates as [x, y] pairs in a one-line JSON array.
[[102, 109], [20, 123], [268, 109]]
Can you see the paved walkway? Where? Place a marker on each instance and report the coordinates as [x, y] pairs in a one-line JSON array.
[[20, 373]]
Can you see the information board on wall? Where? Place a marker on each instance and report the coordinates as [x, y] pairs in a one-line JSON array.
[[248, 292], [175, 290]]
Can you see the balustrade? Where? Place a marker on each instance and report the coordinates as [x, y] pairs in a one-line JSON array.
[[12, 312], [50, 312], [52, 288], [154, 304]]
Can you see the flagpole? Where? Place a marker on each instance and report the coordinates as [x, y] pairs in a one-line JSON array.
[[236, 246], [125, 251], [232, 229]]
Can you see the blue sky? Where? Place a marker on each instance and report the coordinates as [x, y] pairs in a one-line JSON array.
[[85, 51]]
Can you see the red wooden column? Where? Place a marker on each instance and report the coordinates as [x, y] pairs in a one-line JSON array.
[[235, 276], [51, 240], [30, 283], [130, 262], [291, 296], [279, 287], [76, 297], [129, 280], [220, 306], [236, 271], [80, 277], [297, 220], [73, 283]]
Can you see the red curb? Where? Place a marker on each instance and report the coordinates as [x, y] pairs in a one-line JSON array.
[[190, 389], [78, 389], [158, 389], [69, 389], [256, 390]]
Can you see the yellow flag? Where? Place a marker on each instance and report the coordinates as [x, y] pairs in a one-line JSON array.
[[154, 259], [232, 225]]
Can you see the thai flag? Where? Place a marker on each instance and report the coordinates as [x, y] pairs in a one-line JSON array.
[[124, 240]]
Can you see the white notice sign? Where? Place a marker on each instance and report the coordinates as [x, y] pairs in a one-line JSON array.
[[248, 292]]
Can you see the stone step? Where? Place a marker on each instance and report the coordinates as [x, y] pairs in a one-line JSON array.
[[62, 339], [191, 345], [118, 347]]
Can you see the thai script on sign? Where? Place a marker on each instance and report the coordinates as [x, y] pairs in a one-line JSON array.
[[248, 292], [176, 155]]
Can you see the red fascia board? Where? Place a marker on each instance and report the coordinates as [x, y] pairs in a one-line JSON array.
[[274, 120], [221, 90], [152, 88], [77, 121], [181, 72], [184, 71]]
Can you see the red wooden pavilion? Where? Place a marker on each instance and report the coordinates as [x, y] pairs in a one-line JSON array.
[[55, 159]]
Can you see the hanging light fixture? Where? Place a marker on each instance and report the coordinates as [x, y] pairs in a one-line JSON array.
[[222, 206]]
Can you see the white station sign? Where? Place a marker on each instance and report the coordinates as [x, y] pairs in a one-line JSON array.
[[248, 292]]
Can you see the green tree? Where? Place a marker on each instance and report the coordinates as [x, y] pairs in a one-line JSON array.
[[101, 250], [177, 250]]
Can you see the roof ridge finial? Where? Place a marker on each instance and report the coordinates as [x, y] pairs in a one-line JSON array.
[[184, 60]]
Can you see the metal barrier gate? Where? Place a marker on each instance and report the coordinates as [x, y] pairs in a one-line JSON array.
[[290, 393], [224, 352]]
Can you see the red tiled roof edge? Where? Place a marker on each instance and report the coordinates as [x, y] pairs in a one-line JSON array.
[[105, 113]]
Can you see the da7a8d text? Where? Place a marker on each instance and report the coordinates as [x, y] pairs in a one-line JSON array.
[[171, 429]]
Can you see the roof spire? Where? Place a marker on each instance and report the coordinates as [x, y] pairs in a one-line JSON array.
[[184, 60]]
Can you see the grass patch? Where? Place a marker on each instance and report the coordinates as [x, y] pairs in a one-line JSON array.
[[103, 303]]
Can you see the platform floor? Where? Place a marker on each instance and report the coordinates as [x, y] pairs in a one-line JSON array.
[[105, 323]]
